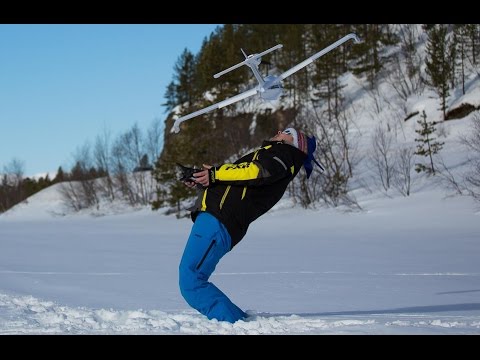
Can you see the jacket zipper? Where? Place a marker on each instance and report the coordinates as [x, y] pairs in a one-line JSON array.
[[206, 253]]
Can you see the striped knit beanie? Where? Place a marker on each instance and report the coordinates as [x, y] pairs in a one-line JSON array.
[[308, 146], [299, 139]]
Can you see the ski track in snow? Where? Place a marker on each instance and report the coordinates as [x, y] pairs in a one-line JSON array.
[[339, 272], [236, 273], [29, 315]]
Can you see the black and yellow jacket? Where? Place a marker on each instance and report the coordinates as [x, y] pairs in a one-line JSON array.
[[243, 191]]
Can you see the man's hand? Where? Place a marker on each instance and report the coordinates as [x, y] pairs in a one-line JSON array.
[[190, 184], [203, 177]]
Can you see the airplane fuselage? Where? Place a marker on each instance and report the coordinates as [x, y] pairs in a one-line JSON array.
[[272, 88]]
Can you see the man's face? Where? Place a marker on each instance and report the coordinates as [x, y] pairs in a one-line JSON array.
[[282, 136]]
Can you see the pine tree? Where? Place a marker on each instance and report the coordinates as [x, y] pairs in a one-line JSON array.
[[170, 97], [428, 146], [452, 58], [294, 50], [31, 186], [208, 63], [461, 41], [169, 190], [439, 65], [328, 70], [473, 31], [60, 176], [144, 163], [368, 55], [231, 45], [182, 149], [78, 172], [184, 77], [466, 38]]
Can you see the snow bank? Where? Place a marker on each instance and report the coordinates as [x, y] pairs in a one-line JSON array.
[[28, 315]]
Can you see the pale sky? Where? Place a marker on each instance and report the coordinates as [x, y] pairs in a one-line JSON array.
[[61, 85]]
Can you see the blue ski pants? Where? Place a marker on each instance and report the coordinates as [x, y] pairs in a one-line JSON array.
[[208, 242]]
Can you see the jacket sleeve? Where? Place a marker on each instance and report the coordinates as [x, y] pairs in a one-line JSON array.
[[268, 168]]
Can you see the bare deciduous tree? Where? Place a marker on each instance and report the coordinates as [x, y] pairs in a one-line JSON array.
[[103, 161], [405, 76], [382, 156], [447, 178], [404, 163], [335, 150], [120, 169], [472, 142], [153, 142], [128, 150], [473, 181], [71, 192], [15, 170], [81, 191]]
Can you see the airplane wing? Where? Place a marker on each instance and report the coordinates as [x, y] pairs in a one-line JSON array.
[[219, 105], [311, 59], [247, 60]]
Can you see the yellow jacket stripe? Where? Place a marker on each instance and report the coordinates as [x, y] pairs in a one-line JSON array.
[[244, 192], [235, 172], [224, 196], [204, 202]]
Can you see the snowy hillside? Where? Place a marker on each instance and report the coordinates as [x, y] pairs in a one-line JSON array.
[[400, 265], [44, 204]]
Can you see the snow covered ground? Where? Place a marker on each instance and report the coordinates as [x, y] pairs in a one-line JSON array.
[[402, 266]]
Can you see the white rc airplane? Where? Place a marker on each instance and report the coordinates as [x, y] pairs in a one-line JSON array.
[[270, 87]]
